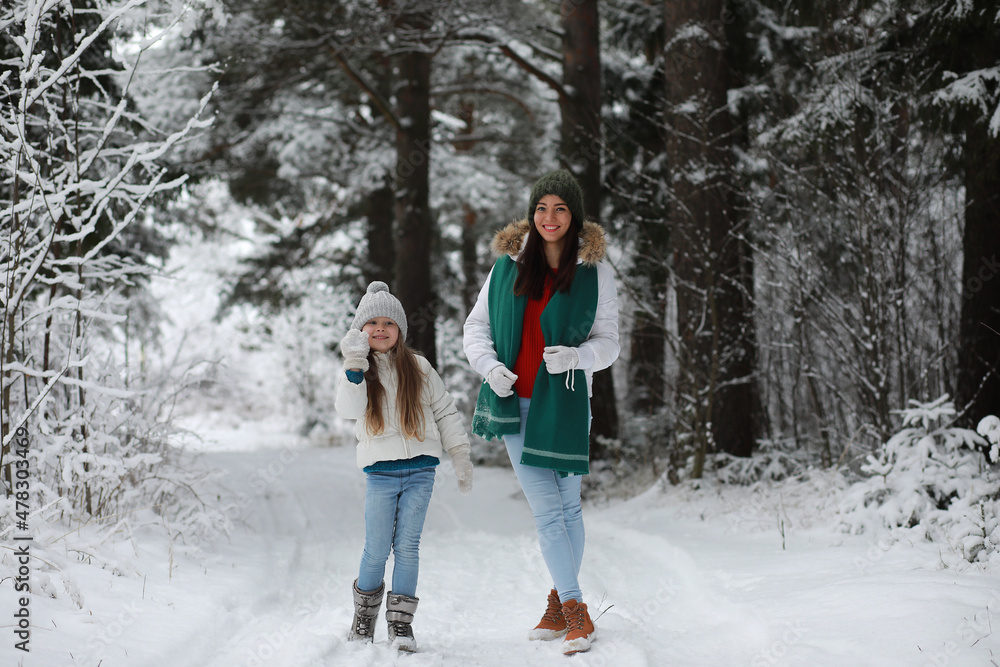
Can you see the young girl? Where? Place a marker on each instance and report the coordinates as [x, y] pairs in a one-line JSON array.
[[547, 314], [405, 419]]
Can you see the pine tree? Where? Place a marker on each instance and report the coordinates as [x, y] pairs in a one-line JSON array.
[[710, 255], [327, 118], [957, 47], [639, 201]]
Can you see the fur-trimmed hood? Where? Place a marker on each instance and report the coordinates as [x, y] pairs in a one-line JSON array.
[[510, 240]]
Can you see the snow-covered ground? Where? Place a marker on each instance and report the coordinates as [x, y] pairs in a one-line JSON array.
[[674, 577]]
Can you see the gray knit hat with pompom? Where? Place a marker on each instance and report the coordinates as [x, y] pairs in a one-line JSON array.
[[378, 302]]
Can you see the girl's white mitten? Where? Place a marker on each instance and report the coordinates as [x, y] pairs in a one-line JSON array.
[[463, 468], [354, 348]]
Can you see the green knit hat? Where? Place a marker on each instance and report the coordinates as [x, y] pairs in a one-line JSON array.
[[562, 184]]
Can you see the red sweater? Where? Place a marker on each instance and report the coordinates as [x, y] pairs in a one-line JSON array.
[[529, 357]]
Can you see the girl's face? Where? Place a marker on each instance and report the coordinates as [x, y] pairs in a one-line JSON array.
[[552, 219], [382, 333]]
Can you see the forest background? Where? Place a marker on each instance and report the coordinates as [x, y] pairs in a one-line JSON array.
[[802, 201]]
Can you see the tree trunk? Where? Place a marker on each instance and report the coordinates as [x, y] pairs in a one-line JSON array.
[[470, 219], [470, 260], [413, 148], [580, 108], [580, 153], [978, 387], [649, 274], [381, 260], [647, 351], [712, 265]]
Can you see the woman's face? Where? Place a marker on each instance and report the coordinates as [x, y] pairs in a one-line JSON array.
[[552, 219], [382, 333]]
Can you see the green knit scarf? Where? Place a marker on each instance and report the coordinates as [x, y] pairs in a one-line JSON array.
[[557, 435]]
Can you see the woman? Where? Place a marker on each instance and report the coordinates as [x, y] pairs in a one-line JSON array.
[[545, 321]]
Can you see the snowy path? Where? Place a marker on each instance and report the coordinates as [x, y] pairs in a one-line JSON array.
[[678, 591]]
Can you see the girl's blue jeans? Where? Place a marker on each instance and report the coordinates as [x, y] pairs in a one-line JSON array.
[[395, 506], [555, 503]]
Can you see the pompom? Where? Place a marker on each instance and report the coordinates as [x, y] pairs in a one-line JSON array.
[[377, 286]]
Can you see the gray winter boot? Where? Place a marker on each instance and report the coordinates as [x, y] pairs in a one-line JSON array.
[[399, 613], [366, 607]]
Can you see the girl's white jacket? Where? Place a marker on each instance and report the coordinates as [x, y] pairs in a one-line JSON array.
[[443, 427], [601, 345]]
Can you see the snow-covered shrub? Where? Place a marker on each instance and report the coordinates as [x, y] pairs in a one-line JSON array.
[[931, 478], [81, 170], [304, 338], [773, 461]]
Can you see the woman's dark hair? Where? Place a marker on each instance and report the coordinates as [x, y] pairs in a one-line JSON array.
[[533, 268]]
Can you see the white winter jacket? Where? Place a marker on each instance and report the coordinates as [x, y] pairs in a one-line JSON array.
[[602, 341], [443, 427]]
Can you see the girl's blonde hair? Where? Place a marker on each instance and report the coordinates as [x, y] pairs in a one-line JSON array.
[[410, 383]]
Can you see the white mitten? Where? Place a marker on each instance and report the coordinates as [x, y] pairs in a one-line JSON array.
[[354, 348], [463, 468], [559, 359], [501, 381]]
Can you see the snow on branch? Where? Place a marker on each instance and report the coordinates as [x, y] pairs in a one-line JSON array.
[[80, 168], [71, 60], [976, 89]]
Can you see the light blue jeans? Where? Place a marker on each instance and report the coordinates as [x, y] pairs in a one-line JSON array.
[[395, 506], [555, 503]]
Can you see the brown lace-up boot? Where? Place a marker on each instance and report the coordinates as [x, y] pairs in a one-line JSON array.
[[581, 631], [552, 625]]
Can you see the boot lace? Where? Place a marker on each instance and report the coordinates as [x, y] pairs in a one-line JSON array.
[[574, 619], [401, 629], [553, 612], [364, 625]]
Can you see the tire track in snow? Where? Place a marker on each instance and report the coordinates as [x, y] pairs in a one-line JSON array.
[[658, 601], [482, 584], [290, 603]]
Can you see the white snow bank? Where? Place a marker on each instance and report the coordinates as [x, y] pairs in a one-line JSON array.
[[716, 575]]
